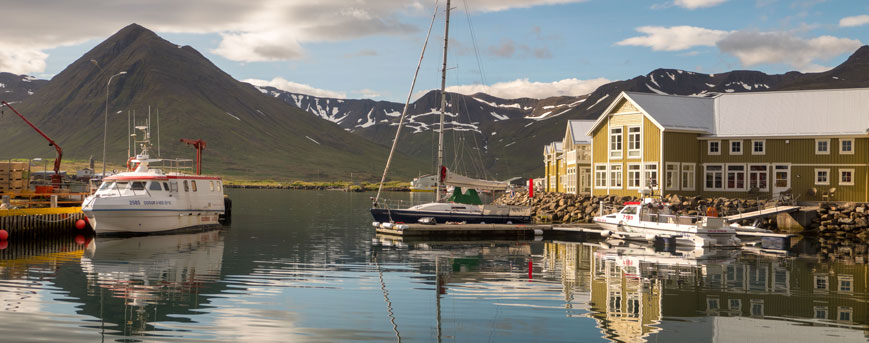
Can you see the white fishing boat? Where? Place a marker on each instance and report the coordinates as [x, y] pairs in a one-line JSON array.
[[424, 183], [650, 220], [148, 200], [460, 208]]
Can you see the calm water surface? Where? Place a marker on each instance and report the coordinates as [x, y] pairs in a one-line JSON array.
[[307, 266]]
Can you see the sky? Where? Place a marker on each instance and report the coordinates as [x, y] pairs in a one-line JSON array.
[[507, 48]]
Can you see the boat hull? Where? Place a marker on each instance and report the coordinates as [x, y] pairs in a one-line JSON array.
[[411, 216], [143, 222]]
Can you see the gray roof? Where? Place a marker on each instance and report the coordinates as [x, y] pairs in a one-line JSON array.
[[792, 113], [578, 129], [678, 112]]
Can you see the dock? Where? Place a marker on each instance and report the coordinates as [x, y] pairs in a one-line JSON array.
[[516, 231], [40, 222]]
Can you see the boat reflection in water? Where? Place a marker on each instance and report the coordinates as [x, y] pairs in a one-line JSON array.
[[149, 272], [637, 294]]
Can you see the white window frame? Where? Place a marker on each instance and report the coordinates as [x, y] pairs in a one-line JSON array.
[[845, 309], [612, 180], [843, 152], [646, 171], [723, 172], [692, 179], [639, 148], [824, 183], [613, 153], [762, 145], [820, 309], [749, 172], [730, 144], [744, 177], [605, 176], [842, 171], [674, 177], [817, 143], [848, 278], [709, 147], [826, 282], [638, 171]]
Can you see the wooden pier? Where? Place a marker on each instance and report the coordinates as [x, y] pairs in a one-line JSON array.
[[39, 222]]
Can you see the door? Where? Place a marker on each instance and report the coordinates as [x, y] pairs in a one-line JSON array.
[[781, 178], [584, 180]]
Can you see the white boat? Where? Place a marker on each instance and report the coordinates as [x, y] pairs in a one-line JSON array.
[[650, 220], [148, 200], [425, 183]]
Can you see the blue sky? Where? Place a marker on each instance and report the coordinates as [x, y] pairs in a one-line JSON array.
[[535, 48]]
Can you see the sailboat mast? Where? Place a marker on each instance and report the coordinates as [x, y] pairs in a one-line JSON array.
[[443, 107]]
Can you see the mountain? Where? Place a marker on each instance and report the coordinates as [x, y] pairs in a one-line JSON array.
[[249, 134], [510, 133], [17, 87]]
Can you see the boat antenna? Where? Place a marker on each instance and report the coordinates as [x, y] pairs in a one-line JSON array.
[[440, 163], [158, 131], [129, 134], [406, 106]]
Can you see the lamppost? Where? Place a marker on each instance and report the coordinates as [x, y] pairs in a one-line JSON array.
[[106, 120]]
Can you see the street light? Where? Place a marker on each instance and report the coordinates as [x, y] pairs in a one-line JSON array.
[[106, 120]]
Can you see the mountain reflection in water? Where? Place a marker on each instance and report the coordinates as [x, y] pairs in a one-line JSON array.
[[306, 266]]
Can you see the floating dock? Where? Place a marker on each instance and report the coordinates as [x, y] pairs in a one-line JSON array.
[[39, 222]]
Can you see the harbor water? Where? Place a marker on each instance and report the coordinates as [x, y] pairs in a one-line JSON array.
[[307, 266]]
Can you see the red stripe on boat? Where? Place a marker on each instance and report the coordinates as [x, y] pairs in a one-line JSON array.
[[632, 203]]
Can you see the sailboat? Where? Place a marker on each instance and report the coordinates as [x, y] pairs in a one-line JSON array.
[[460, 207]]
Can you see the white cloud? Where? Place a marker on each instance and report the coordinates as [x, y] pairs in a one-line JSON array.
[[368, 93], [251, 31], [289, 86], [674, 38], [753, 48], [857, 20], [695, 4], [523, 88]]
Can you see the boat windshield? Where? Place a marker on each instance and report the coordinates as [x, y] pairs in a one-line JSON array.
[[629, 210]]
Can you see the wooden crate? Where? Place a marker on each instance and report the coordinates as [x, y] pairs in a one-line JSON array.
[[7, 166]]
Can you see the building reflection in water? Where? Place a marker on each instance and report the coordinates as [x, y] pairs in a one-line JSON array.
[[639, 295]]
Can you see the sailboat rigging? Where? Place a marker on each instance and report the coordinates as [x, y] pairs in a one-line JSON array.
[[460, 207]]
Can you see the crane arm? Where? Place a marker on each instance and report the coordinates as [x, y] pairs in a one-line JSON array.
[[50, 141], [199, 145]]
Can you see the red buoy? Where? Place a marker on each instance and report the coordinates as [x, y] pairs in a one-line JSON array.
[[80, 224], [4, 245], [4, 235]]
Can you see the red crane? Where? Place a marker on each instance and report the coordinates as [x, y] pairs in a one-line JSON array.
[[200, 146], [55, 179]]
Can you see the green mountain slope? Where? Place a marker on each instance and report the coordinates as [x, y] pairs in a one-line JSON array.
[[249, 134]]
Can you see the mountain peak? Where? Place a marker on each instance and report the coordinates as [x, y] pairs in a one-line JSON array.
[[860, 56]]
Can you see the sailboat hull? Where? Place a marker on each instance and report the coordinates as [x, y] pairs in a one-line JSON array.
[[412, 216]]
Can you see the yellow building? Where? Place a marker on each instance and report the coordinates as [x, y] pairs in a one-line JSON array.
[[813, 145], [568, 163]]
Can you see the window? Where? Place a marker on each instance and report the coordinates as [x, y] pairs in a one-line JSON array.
[[616, 176], [712, 304], [714, 147], [736, 147], [758, 147], [821, 282], [758, 177], [616, 142], [138, 186], [166, 186], [633, 176], [846, 146], [756, 307], [688, 176], [671, 176], [193, 183], [822, 176], [736, 177], [782, 176], [650, 175], [173, 186], [735, 304], [155, 186], [846, 177], [600, 176], [845, 313], [211, 186], [822, 146], [846, 283], [186, 186], [820, 312], [218, 186], [714, 177], [634, 142]]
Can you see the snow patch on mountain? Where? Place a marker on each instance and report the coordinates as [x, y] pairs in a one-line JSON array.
[[598, 101]]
